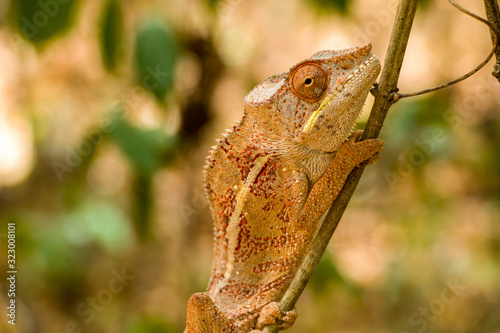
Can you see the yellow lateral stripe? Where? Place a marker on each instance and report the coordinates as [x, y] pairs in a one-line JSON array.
[[233, 228], [312, 118]]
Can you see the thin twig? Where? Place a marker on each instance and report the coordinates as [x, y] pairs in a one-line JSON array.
[[493, 15], [495, 38], [383, 101]]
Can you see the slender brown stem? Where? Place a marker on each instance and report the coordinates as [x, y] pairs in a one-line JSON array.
[[495, 48], [493, 15], [383, 101]]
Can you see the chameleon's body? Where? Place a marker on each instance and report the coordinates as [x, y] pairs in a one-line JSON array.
[[273, 177]]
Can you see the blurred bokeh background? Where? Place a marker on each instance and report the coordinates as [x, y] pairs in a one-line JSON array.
[[108, 109]]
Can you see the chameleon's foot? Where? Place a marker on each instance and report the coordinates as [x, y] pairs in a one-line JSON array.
[[271, 314], [361, 152], [289, 319], [372, 160], [355, 136]]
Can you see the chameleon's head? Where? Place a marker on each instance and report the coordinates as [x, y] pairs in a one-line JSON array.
[[318, 102]]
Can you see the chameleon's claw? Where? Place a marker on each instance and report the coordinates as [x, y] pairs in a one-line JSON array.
[[289, 319], [355, 136], [372, 160], [271, 314], [268, 315], [361, 152]]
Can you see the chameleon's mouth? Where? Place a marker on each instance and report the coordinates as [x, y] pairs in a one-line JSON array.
[[365, 68]]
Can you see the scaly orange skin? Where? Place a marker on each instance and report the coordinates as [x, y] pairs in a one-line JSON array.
[[272, 178]]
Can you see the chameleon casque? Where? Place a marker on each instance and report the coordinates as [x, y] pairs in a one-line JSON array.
[[272, 178]]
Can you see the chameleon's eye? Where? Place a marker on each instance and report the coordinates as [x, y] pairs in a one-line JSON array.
[[309, 81]]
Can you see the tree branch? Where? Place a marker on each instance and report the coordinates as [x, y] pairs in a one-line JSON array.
[[384, 98], [494, 50], [493, 15]]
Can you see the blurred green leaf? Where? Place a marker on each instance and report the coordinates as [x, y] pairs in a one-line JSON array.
[[341, 6], [151, 325], [325, 273], [486, 171], [100, 222], [414, 120], [430, 110], [155, 57], [141, 207], [111, 34], [57, 260], [424, 4], [38, 21], [212, 3], [54, 252], [146, 149]]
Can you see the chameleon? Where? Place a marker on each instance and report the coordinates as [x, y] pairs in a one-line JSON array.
[[271, 180]]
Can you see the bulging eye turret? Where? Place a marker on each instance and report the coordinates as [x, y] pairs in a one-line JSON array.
[[309, 81]]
